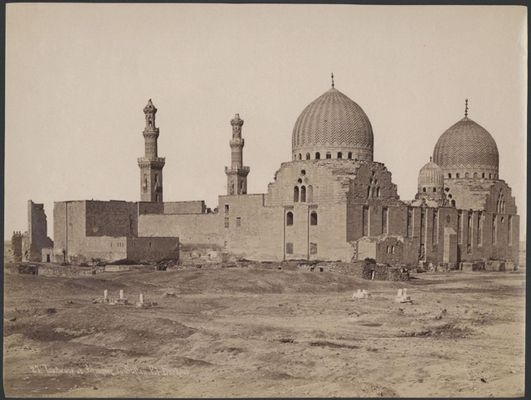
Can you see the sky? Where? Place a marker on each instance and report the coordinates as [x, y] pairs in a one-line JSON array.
[[79, 75]]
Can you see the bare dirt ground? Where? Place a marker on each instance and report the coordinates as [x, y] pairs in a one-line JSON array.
[[264, 332]]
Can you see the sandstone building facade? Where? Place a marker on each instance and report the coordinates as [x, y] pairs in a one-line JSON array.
[[332, 201]]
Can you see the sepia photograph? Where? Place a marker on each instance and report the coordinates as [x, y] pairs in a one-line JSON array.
[[264, 200]]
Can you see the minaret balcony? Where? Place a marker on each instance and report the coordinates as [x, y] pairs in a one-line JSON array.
[[242, 171], [157, 162]]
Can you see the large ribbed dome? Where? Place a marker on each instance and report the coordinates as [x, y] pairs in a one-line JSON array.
[[467, 150], [333, 126]]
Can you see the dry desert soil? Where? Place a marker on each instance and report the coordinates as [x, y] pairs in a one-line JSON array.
[[234, 332]]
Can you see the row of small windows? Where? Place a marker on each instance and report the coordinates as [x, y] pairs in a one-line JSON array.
[[328, 155], [238, 222], [373, 191], [289, 218], [475, 175], [303, 194], [434, 190]]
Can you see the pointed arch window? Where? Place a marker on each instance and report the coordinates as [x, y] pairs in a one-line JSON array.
[[289, 218], [296, 194], [339, 155], [307, 156], [328, 155], [303, 194], [350, 155], [317, 156]]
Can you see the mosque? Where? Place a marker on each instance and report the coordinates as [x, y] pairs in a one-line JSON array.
[[331, 202]]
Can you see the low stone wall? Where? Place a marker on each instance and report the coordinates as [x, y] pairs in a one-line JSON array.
[[384, 272], [68, 270]]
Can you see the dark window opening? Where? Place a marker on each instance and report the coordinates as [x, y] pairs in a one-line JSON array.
[[449, 175], [434, 190], [313, 218], [226, 208], [339, 155], [365, 221], [296, 194], [289, 218], [238, 221], [303, 194], [457, 175], [328, 155], [226, 222], [317, 156], [307, 156], [424, 190], [385, 214], [289, 248], [350, 155]]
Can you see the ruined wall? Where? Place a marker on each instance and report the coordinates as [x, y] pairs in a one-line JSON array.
[[16, 247], [37, 235]]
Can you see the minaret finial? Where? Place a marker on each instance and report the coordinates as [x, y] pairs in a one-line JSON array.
[[332, 76], [466, 108]]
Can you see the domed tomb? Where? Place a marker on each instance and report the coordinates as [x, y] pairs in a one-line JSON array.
[[333, 126], [467, 150], [431, 178]]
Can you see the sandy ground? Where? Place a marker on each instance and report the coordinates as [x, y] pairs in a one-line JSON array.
[[264, 332]]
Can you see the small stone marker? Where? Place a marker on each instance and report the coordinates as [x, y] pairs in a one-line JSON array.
[[105, 295], [141, 298], [121, 294], [402, 297], [361, 294]]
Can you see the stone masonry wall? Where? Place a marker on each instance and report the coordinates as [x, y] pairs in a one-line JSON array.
[[111, 218]]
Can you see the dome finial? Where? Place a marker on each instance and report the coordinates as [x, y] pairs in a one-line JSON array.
[[466, 108], [332, 76]]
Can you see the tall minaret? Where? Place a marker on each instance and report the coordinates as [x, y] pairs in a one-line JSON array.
[[151, 164], [237, 173]]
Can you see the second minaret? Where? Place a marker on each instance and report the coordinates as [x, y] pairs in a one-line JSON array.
[[237, 173]]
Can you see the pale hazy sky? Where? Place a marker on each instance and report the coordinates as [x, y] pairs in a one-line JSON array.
[[79, 75]]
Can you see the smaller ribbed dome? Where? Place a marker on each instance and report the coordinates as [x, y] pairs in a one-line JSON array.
[[430, 176]]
